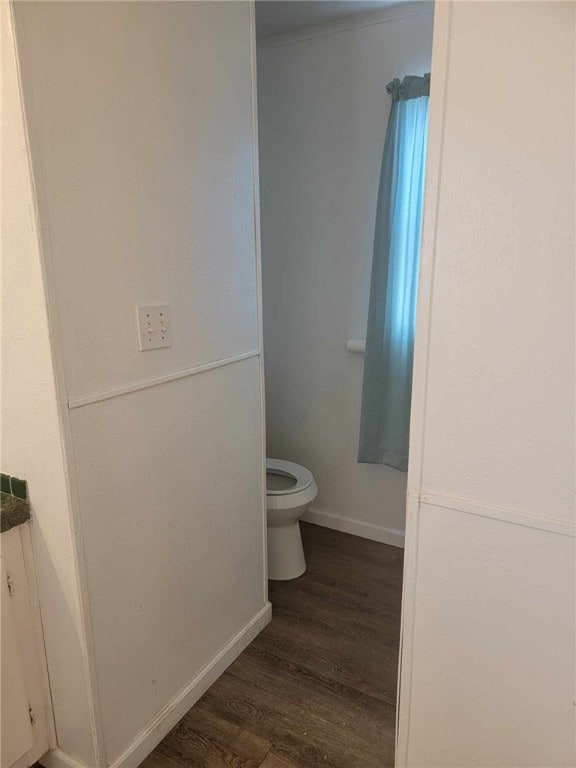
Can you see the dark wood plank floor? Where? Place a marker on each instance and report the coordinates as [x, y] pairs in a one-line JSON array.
[[318, 686]]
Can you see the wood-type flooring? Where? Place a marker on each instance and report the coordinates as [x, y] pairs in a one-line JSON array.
[[318, 686]]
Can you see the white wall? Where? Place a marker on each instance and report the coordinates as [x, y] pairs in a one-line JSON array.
[[141, 127], [488, 674], [323, 111], [31, 432]]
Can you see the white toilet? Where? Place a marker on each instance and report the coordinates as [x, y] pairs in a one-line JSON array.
[[290, 490]]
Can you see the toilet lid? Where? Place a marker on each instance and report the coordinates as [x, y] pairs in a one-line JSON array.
[[301, 476]]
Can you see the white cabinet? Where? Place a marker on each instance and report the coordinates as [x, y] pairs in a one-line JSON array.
[[26, 718]]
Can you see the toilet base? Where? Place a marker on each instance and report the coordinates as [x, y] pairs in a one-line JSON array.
[[285, 552]]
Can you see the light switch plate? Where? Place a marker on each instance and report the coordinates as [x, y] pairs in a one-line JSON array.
[[154, 329]]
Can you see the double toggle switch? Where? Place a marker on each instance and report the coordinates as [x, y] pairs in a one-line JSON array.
[[154, 329]]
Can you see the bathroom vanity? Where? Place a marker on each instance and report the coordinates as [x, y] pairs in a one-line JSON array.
[[26, 718]]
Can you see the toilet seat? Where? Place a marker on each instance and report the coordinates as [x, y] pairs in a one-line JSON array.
[[303, 477]]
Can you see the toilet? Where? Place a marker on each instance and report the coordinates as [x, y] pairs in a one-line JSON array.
[[290, 490]]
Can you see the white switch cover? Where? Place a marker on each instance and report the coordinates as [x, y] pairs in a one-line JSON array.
[[154, 330]]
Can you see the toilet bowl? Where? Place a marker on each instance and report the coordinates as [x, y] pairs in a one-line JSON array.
[[290, 490]]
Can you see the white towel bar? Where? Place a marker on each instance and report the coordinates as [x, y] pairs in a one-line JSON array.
[[356, 345]]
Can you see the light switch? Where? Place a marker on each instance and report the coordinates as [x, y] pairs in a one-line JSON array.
[[154, 330]]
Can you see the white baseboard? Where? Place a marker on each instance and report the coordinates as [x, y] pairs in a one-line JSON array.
[[58, 759], [379, 533], [155, 731]]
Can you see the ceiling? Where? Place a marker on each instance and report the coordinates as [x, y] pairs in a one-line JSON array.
[[274, 17]]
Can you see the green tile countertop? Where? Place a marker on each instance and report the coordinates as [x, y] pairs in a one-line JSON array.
[[14, 505], [13, 512]]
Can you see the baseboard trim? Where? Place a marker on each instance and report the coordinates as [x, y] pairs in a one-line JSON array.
[[370, 531], [58, 759], [167, 718]]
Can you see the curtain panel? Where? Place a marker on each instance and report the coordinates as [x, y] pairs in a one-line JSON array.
[[387, 385]]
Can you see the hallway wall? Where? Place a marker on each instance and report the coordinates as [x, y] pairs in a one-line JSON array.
[[489, 631], [142, 136]]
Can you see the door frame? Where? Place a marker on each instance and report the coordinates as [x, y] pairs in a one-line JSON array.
[[438, 86]]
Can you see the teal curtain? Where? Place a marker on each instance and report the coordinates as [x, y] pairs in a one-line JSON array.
[[387, 386]]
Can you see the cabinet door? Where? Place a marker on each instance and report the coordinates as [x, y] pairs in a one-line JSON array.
[[17, 735]]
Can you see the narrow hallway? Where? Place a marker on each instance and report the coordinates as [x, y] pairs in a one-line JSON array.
[[318, 686]]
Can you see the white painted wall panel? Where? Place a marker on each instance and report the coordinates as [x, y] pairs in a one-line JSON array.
[[500, 408], [494, 673], [170, 500], [141, 126], [323, 111]]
